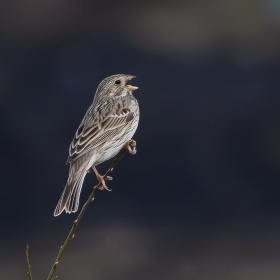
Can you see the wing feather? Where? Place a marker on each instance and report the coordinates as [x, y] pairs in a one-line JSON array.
[[101, 122]]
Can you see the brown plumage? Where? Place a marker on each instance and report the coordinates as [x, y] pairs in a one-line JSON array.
[[107, 126]]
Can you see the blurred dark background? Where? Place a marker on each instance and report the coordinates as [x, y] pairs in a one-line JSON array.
[[200, 200]]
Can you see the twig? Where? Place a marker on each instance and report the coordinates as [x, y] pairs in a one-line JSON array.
[[28, 263], [71, 235]]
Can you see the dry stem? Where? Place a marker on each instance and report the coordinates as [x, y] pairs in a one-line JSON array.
[[28, 263], [71, 235]]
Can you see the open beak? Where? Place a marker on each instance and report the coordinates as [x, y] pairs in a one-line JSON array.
[[131, 88]]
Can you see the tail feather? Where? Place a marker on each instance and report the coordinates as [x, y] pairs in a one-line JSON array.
[[69, 200], [73, 201]]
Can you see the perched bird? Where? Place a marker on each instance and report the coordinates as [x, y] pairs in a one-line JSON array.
[[106, 128]]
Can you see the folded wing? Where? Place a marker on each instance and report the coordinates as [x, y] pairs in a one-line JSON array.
[[99, 126]]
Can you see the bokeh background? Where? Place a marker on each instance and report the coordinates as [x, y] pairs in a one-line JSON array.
[[201, 198]]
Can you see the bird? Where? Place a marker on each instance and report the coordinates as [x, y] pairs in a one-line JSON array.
[[107, 127]]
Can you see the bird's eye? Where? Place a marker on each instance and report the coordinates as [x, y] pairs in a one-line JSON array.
[[117, 82]]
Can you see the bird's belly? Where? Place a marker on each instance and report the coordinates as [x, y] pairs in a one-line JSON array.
[[114, 147], [109, 154]]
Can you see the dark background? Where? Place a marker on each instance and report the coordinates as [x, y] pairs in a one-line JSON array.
[[200, 200]]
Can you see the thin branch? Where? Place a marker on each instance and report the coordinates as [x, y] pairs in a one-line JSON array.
[[71, 235], [28, 263]]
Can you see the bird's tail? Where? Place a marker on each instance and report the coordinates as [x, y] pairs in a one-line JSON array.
[[69, 200]]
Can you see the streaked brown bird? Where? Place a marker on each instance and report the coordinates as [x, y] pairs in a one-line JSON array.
[[106, 128]]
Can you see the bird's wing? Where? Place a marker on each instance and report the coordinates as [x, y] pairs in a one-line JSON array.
[[101, 123]]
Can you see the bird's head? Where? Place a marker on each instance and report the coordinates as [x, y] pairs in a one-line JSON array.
[[115, 86]]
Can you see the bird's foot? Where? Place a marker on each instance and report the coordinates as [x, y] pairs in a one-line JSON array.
[[101, 180], [131, 146]]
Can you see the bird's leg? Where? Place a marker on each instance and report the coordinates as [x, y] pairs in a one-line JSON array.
[[101, 180], [131, 146]]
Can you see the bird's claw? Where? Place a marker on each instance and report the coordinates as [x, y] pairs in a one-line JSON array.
[[101, 180], [104, 187], [131, 146]]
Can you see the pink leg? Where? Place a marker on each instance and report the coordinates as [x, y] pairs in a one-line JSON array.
[[131, 146], [101, 180]]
